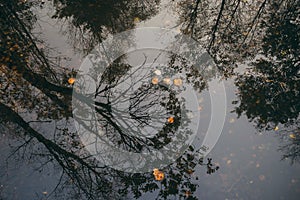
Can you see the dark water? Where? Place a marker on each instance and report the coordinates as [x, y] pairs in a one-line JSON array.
[[255, 48]]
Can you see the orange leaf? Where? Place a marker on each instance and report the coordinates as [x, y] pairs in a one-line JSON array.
[[158, 175], [155, 171], [71, 81], [155, 81], [188, 193], [171, 120]]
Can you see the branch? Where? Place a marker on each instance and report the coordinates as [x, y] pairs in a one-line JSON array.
[[253, 21], [215, 28], [9, 115]]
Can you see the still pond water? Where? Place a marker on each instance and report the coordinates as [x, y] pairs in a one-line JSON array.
[[235, 97]]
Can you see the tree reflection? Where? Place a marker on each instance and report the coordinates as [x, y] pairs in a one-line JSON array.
[[226, 28], [100, 182], [34, 87], [26, 70], [264, 34], [90, 21], [139, 108], [93, 180], [269, 92]]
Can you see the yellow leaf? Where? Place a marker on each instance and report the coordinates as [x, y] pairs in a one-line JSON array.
[[276, 128], [293, 136], [167, 81], [136, 20], [177, 82], [283, 53], [245, 33], [232, 120]]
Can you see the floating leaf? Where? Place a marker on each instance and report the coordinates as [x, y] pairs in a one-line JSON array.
[[228, 162], [276, 128], [167, 81], [293, 136], [188, 193], [71, 80], [171, 120], [100, 132], [177, 82], [232, 120], [283, 53], [262, 177], [136, 20], [155, 81], [158, 175], [157, 72], [245, 33]]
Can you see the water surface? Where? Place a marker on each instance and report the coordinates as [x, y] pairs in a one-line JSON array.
[[255, 48]]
